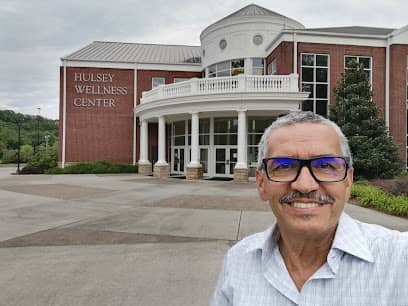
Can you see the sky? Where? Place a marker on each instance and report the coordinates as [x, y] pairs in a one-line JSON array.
[[34, 35]]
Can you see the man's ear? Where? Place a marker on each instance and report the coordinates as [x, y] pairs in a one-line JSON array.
[[349, 182], [260, 185]]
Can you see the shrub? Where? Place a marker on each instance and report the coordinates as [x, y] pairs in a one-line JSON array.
[[397, 186], [43, 160], [26, 153], [98, 167], [9, 156], [374, 152], [28, 169], [370, 196], [402, 185]]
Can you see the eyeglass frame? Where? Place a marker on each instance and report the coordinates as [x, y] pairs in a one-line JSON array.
[[306, 163]]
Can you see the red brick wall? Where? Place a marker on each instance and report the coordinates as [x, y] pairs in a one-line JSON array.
[[144, 83], [337, 53], [398, 81], [104, 130], [398, 64], [284, 58], [144, 78]]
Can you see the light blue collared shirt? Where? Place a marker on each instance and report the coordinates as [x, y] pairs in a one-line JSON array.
[[367, 265]]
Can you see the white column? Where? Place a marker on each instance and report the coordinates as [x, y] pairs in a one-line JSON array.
[[162, 141], [242, 140], [144, 143], [134, 115], [248, 66], [194, 160], [295, 54], [387, 84], [64, 116]]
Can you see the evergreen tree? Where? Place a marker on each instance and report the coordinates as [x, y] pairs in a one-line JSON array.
[[374, 153]]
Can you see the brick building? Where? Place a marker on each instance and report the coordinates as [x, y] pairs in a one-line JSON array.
[[200, 110]]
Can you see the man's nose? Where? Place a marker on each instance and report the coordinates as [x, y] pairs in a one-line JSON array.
[[305, 182]]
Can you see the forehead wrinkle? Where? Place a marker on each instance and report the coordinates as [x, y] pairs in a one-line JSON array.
[[300, 140]]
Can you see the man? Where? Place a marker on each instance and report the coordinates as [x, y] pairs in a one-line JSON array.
[[315, 254]]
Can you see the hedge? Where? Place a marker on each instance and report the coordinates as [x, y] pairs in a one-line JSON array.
[[98, 167], [370, 196]]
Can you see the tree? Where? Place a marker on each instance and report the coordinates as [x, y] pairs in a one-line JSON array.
[[26, 152], [373, 150]]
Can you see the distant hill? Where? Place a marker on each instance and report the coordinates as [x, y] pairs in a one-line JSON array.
[[33, 128]]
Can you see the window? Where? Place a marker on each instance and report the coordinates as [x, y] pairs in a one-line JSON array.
[[179, 132], [176, 80], [237, 66], [225, 131], [204, 131], [256, 128], [156, 81], [257, 66], [315, 79], [363, 61], [227, 68], [272, 69]]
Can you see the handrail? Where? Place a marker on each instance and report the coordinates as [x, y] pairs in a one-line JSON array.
[[239, 83]]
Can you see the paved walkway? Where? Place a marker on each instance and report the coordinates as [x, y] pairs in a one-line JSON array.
[[124, 239]]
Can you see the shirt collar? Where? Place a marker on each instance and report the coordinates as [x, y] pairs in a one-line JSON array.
[[348, 239]]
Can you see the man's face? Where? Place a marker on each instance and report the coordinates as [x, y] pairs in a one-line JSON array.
[[305, 141]]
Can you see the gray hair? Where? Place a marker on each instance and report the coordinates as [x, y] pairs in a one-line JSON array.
[[300, 117]]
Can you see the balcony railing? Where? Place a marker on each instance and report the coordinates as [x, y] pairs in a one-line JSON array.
[[236, 84]]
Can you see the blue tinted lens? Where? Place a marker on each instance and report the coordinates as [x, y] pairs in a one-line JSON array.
[[328, 162], [282, 163]]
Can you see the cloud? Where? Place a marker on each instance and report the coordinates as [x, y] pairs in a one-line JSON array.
[[34, 35]]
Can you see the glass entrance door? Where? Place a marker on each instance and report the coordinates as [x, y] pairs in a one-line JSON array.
[[204, 160], [225, 160], [178, 160]]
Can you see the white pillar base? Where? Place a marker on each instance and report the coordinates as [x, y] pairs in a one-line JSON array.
[[161, 170], [241, 175], [194, 172], [145, 167]]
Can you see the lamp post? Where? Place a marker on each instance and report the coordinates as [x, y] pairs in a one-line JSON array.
[[47, 137], [19, 145], [38, 130]]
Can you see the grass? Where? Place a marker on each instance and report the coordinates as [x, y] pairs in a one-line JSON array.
[[373, 197]]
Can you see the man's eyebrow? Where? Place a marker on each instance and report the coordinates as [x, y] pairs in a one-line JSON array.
[[311, 157], [327, 155]]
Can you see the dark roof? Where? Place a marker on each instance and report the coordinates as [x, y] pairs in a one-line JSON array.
[[353, 30], [137, 53], [252, 10]]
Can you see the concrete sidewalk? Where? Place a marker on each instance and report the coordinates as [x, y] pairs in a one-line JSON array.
[[124, 239]]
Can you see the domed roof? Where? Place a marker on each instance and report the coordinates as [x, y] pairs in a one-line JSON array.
[[253, 10]]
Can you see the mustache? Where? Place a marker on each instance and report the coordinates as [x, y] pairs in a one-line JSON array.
[[314, 195]]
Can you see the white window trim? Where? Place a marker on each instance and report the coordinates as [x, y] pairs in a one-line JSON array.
[[154, 78], [358, 61], [314, 78], [230, 69], [272, 68]]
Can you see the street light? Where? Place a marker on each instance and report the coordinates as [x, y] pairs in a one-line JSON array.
[[47, 137], [19, 145], [38, 130]]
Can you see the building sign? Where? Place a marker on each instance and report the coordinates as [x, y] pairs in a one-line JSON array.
[[96, 90]]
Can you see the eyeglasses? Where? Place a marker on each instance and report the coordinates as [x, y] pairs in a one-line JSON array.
[[322, 169]]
